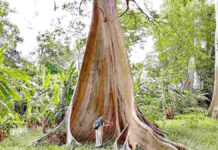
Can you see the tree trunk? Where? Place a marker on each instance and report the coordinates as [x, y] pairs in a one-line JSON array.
[[2, 135], [105, 86], [214, 102], [44, 120], [191, 78], [169, 112]]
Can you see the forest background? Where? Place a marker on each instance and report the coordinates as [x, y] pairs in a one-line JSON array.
[[176, 78]]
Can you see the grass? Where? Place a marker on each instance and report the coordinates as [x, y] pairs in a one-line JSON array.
[[194, 130], [20, 138]]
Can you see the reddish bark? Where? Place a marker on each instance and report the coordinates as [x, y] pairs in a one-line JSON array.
[[105, 86], [169, 112], [214, 102], [2, 135]]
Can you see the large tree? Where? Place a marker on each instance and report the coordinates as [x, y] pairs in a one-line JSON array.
[[214, 102], [181, 23], [9, 33], [105, 86]]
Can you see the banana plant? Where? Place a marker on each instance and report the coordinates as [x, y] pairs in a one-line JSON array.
[[53, 94], [14, 86]]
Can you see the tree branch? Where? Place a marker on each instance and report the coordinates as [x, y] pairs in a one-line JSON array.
[[80, 4], [127, 4], [141, 10]]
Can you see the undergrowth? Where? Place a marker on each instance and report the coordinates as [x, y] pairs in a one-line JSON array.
[[194, 130]]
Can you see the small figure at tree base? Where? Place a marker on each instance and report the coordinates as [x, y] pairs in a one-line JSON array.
[[98, 126]]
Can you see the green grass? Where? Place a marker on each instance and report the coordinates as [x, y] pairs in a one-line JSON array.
[[194, 130], [20, 138]]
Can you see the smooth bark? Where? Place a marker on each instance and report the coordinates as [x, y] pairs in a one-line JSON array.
[[214, 102], [105, 86], [189, 83]]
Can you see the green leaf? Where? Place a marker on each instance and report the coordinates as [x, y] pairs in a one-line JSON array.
[[28, 95], [47, 80], [4, 92], [3, 48], [5, 105], [56, 97], [15, 73], [14, 95], [29, 110], [16, 118], [70, 72]]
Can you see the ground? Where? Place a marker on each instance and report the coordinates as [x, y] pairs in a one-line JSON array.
[[194, 130]]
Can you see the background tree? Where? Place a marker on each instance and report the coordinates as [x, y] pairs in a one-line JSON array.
[[54, 52], [9, 33], [174, 32], [214, 102]]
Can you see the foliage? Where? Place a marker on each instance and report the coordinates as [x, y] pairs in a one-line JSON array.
[[65, 40], [53, 51], [9, 33], [185, 29], [154, 91], [182, 30], [134, 28], [53, 93], [12, 82]]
